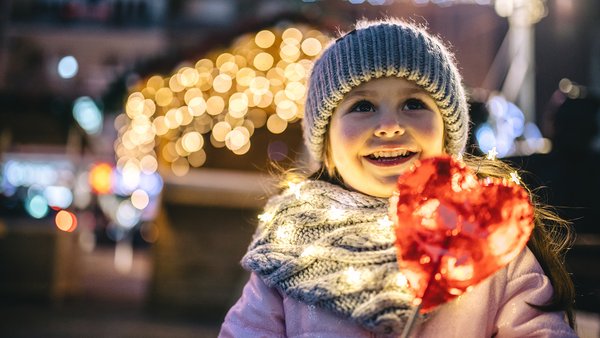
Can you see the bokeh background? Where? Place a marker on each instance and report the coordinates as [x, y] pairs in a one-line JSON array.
[[138, 140]]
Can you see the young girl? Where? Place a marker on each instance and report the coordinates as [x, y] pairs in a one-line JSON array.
[[380, 98]]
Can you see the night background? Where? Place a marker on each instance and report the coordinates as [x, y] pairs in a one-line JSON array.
[[139, 140]]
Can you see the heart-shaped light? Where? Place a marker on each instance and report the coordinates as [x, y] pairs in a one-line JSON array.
[[453, 230]]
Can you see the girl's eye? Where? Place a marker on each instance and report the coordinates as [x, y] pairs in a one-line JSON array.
[[414, 104], [363, 106]]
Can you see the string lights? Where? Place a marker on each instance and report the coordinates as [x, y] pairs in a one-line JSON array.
[[219, 100]]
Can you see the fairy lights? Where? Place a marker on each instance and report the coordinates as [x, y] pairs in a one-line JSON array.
[[260, 80]]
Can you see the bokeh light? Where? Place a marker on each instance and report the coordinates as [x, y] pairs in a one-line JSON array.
[[67, 67], [100, 178], [260, 80], [65, 221]]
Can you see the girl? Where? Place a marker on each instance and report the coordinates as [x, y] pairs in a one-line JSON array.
[[323, 261]]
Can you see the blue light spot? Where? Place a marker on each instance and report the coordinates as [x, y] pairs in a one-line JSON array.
[[486, 139], [37, 206], [68, 67]]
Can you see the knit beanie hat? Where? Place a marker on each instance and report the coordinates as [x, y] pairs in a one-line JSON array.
[[383, 49]]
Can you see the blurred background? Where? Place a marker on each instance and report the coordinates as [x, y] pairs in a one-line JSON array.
[[137, 137]]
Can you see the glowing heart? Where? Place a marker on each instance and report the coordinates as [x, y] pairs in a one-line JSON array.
[[453, 230]]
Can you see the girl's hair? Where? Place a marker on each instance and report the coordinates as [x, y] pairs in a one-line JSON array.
[[550, 239]]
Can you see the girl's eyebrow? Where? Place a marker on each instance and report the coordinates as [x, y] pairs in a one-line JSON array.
[[369, 93]]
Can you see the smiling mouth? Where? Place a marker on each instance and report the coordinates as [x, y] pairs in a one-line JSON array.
[[390, 158]]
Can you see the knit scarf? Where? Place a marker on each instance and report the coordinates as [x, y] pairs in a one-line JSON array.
[[332, 248]]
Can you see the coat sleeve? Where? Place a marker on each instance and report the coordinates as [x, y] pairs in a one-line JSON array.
[[527, 283], [258, 313]]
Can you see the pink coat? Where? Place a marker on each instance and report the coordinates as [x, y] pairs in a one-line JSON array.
[[495, 308]]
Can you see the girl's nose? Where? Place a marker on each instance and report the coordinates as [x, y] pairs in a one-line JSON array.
[[389, 126]]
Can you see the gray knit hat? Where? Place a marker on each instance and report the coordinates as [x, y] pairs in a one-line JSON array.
[[381, 49]]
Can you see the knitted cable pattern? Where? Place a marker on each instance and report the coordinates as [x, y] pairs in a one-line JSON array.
[[333, 248]]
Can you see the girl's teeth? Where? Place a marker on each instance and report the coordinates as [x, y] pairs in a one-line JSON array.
[[390, 153]]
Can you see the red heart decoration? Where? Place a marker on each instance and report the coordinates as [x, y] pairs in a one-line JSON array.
[[453, 230]]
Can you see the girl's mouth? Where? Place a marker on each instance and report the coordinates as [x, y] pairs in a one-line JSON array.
[[390, 158]]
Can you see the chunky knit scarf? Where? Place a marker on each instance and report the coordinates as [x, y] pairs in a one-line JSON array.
[[333, 248]]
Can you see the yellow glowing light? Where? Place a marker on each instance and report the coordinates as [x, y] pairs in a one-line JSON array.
[[264, 39], [134, 106], [224, 58], [244, 76], [148, 164], [400, 280], [491, 155], [336, 213], [188, 77], [312, 251], [222, 83], [266, 217], [149, 108], [258, 117], [243, 149], [155, 82], [230, 68], [263, 61], [186, 115], [292, 33], [173, 118], [205, 81], [169, 152], [197, 106], [286, 109], [259, 85], [149, 92], [65, 221], [353, 276], [265, 100], [289, 53], [514, 176], [295, 91], [100, 178], [191, 94], [215, 105], [215, 143], [180, 167], [140, 199], [192, 141], [159, 125], [385, 222], [294, 72], [295, 188], [235, 139], [284, 232], [175, 85], [276, 124], [276, 77], [204, 65], [203, 124], [220, 131], [164, 96], [181, 151], [254, 83], [311, 47], [197, 159], [249, 127], [238, 105]]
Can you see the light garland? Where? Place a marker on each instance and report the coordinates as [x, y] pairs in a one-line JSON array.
[[259, 81]]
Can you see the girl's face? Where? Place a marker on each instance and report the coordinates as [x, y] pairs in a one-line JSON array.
[[379, 130]]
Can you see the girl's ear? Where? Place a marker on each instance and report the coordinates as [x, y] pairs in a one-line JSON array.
[[328, 157]]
